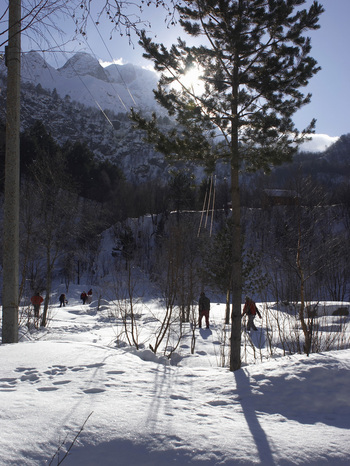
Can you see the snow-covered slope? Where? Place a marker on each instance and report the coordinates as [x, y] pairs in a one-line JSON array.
[[133, 407]]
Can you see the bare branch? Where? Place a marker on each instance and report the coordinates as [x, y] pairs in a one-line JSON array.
[[60, 461], [125, 16], [38, 16]]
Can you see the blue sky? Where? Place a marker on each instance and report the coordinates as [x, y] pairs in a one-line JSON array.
[[330, 88]]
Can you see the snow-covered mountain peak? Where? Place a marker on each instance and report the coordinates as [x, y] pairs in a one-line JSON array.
[[34, 66], [83, 64], [84, 80], [129, 74], [122, 73], [33, 58]]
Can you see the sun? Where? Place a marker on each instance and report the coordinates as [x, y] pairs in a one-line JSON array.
[[191, 81]]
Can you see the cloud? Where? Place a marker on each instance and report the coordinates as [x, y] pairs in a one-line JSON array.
[[104, 64], [150, 68], [318, 143]]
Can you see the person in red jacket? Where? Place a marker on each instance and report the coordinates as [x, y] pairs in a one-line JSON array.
[[83, 297], [36, 301], [251, 310]]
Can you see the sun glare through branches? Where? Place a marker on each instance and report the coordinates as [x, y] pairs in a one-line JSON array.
[[191, 81]]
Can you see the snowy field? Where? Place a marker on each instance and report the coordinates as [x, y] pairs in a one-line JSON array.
[[77, 386]]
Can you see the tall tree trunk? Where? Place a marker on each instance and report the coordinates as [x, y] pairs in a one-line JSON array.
[[10, 301], [235, 357], [227, 314]]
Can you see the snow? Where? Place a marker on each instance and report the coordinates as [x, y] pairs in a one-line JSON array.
[[132, 407]]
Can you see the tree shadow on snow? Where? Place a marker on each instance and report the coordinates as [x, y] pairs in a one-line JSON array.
[[315, 403], [143, 452], [258, 434]]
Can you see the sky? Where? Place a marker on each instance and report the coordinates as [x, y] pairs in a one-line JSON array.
[[330, 89]]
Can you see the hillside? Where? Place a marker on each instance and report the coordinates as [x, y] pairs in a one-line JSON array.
[[69, 101], [60, 99], [86, 102]]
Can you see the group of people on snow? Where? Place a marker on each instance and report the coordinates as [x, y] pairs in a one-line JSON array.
[[86, 297], [250, 309], [37, 300]]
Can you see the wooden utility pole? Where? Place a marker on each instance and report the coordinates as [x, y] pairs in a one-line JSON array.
[[11, 203]]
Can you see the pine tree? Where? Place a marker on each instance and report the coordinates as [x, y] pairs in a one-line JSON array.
[[253, 62]]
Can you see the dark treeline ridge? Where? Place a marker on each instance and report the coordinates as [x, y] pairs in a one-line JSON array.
[[76, 169]]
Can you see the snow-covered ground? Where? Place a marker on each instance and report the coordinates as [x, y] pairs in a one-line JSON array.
[[75, 384]]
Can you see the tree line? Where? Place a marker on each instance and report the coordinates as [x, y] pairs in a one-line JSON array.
[[62, 219]]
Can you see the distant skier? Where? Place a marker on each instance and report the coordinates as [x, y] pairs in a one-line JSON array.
[[251, 310], [203, 308], [36, 301]]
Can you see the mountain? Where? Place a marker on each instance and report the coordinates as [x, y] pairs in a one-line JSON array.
[[116, 87], [86, 102], [69, 101], [83, 64]]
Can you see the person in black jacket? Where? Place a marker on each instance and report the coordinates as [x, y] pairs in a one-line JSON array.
[[62, 300], [251, 310], [203, 308]]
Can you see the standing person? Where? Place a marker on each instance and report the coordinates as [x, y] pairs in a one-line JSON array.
[[251, 310], [36, 301], [62, 300], [89, 296], [83, 297], [203, 308]]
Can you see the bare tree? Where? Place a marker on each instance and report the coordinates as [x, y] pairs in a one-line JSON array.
[[125, 16], [54, 208], [41, 17], [38, 18]]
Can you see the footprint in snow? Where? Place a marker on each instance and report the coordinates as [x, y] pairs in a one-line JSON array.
[[7, 384], [218, 403], [178, 397], [94, 390], [47, 389], [61, 382]]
